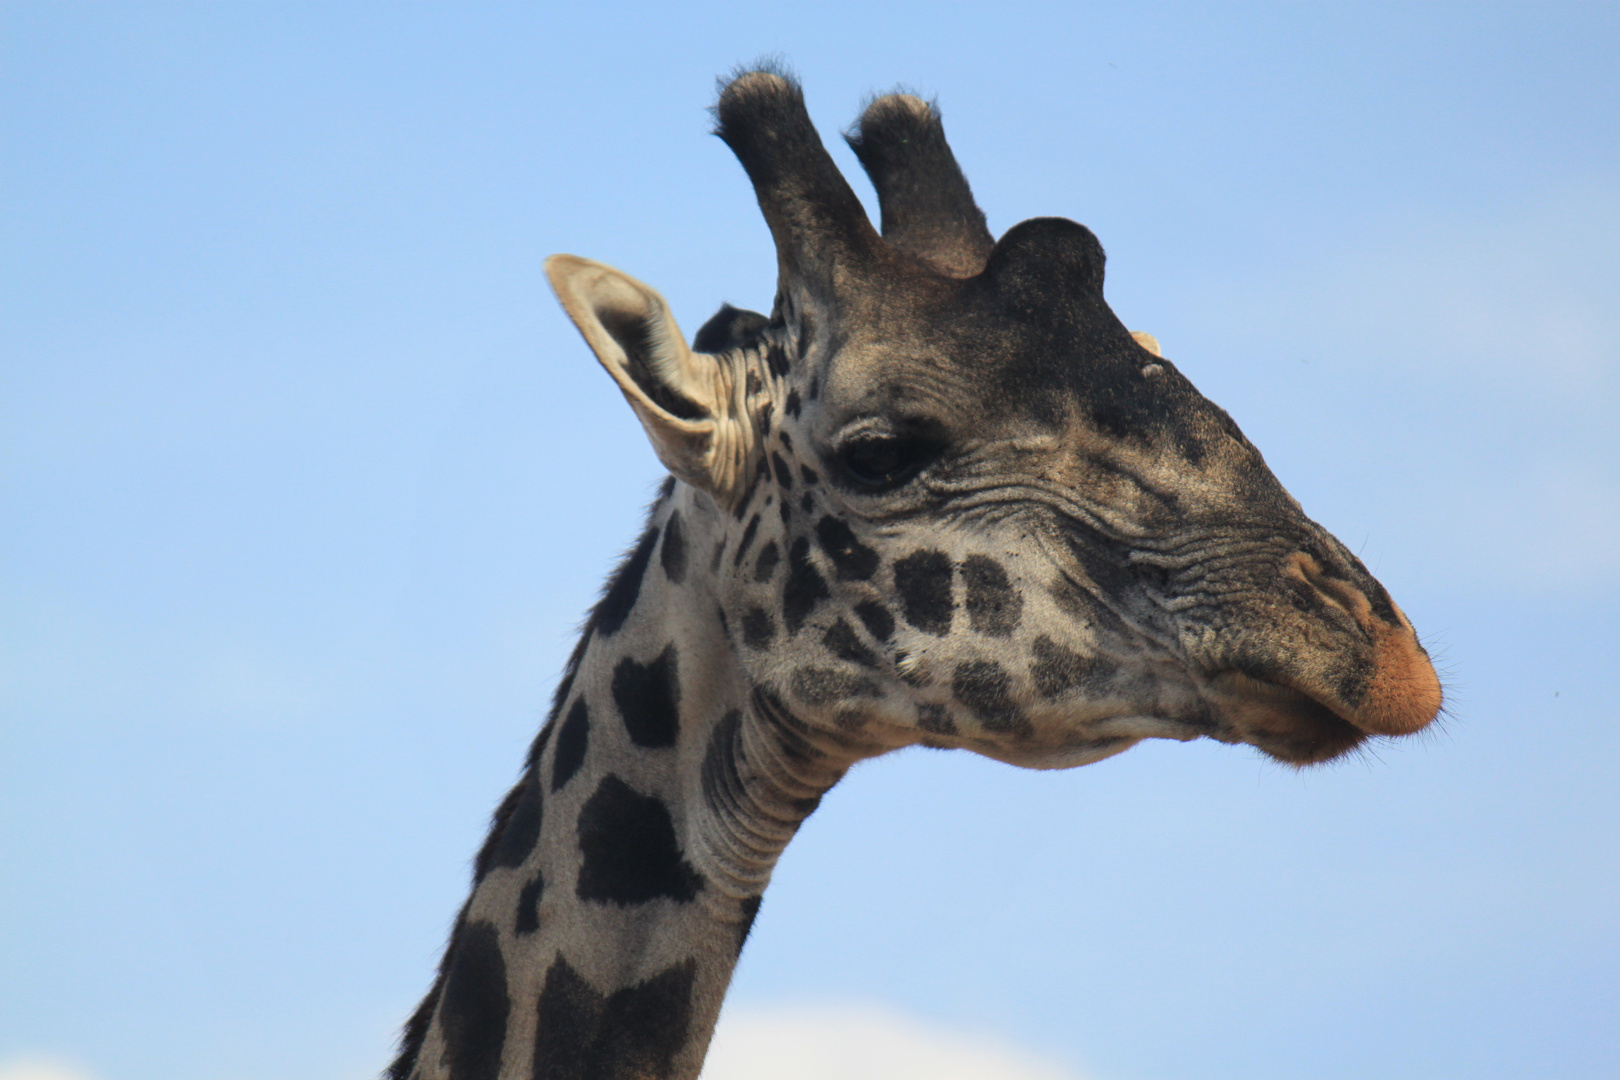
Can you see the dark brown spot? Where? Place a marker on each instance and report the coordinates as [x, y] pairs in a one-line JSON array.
[[517, 827], [784, 473], [747, 540], [758, 629], [819, 685], [1057, 669], [853, 560], [750, 912], [571, 743], [935, 718], [673, 554], [630, 853], [804, 587], [632, 1034], [993, 605], [649, 698], [876, 618], [472, 1014], [528, 912], [983, 686], [620, 598], [765, 566], [923, 580], [842, 641]]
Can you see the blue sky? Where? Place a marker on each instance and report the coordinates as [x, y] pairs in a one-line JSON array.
[[305, 482]]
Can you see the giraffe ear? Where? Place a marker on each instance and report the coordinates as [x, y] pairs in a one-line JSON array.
[[1148, 342], [685, 400]]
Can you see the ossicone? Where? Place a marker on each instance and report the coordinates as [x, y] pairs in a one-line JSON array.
[[821, 230], [927, 207]]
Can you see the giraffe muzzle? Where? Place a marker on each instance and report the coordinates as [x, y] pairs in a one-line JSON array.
[[1296, 703], [1402, 695]]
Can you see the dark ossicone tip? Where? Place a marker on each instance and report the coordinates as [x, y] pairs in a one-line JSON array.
[[928, 208], [818, 223], [757, 108]]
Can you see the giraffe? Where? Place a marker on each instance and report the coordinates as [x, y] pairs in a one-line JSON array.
[[939, 496]]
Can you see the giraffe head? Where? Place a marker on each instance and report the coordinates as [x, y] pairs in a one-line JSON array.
[[955, 501]]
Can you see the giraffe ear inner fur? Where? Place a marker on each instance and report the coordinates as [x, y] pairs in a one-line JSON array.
[[687, 401]]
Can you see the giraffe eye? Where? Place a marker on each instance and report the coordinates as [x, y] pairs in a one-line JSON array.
[[880, 462]]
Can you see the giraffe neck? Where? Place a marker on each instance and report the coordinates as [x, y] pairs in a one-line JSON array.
[[623, 872]]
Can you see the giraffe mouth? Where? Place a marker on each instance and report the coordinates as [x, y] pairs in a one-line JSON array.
[[1288, 724]]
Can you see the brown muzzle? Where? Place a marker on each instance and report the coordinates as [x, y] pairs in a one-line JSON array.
[[1403, 694]]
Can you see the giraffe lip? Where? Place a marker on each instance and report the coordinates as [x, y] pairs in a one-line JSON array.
[[1281, 720]]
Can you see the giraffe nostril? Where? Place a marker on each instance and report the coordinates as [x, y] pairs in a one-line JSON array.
[[1401, 692], [1335, 592]]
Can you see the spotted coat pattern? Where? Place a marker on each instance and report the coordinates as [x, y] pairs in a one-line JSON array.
[[939, 496]]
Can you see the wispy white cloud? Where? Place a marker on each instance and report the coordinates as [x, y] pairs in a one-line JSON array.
[[861, 1043], [39, 1068]]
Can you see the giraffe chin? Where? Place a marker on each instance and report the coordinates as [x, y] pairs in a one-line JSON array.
[[1282, 722], [1073, 756]]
